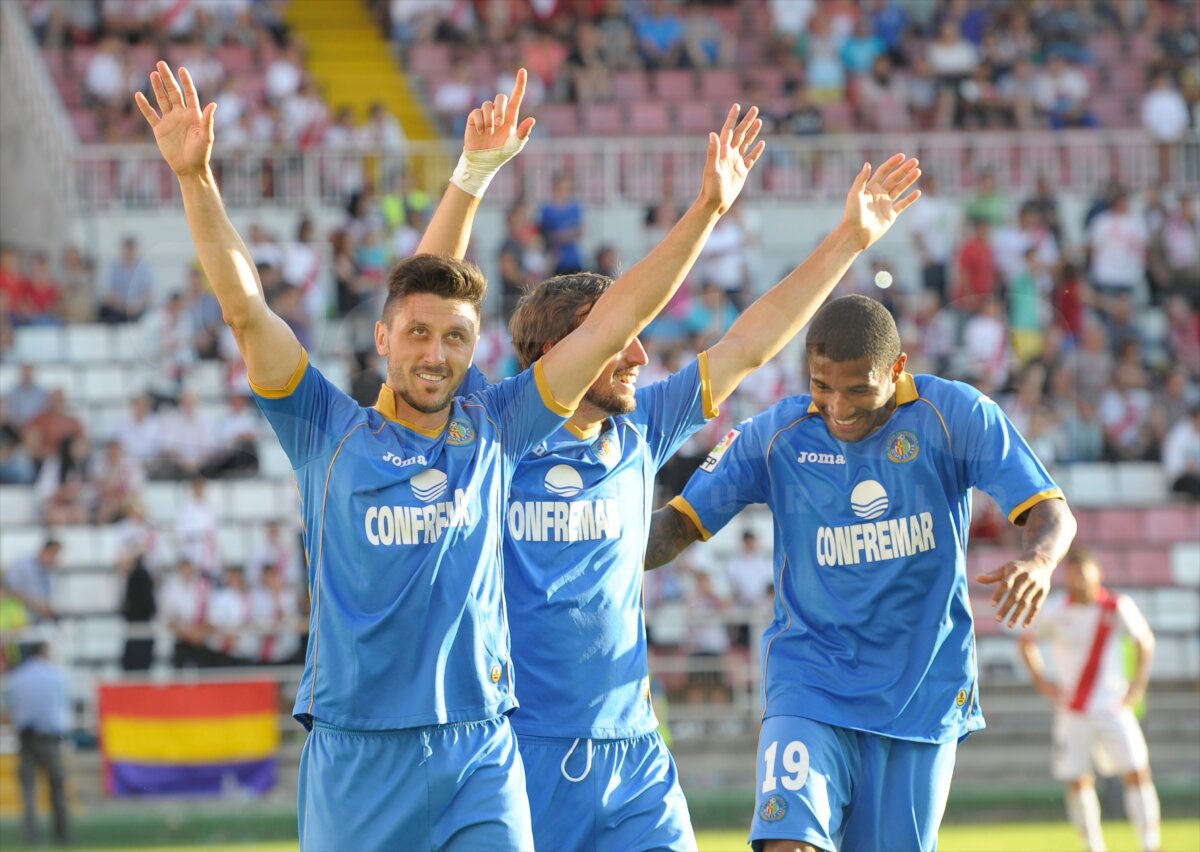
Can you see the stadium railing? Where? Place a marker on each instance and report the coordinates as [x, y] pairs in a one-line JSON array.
[[633, 169]]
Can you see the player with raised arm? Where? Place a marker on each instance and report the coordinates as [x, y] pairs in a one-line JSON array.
[[408, 682], [869, 670], [1094, 699], [598, 773]]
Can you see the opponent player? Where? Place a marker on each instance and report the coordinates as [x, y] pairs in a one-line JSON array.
[[869, 672], [598, 774], [1093, 699], [407, 679]]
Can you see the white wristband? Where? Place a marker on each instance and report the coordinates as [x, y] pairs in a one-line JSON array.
[[476, 169]]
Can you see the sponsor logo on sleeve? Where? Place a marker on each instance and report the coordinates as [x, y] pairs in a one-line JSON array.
[[718, 452]]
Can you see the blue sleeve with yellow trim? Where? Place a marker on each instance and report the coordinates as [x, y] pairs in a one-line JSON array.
[[674, 409], [996, 456], [310, 415], [523, 409], [732, 477]]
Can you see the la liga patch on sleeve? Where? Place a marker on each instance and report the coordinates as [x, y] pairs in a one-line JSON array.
[[718, 452]]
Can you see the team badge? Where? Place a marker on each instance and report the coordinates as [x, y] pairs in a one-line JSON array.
[[961, 699], [495, 674], [717, 452], [773, 809], [605, 447], [459, 432], [903, 447]]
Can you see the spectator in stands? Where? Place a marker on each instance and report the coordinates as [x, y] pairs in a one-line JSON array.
[[1183, 334], [1094, 698], [187, 437], [824, 73], [1181, 455], [803, 117], [27, 398], [988, 202], [882, 102], [705, 43], [1044, 202], [1125, 410], [986, 348], [1026, 314], [1164, 110], [521, 260], [40, 300], [284, 75], [303, 115], [1173, 401], [724, 260], [129, 289], [660, 35], [233, 639], [976, 279], [1117, 247], [353, 288], [78, 280], [184, 609], [454, 98], [608, 261], [138, 608], [63, 487], [140, 433], [196, 528], [617, 35], [40, 704], [932, 226], [16, 463], [751, 578], [561, 224], [1061, 94], [382, 133], [952, 59], [587, 66], [1062, 29], [169, 345], [707, 640], [303, 267], [235, 450], [277, 551], [1178, 242], [106, 78], [30, 579], [14, 619], [46, 432], [117, 481], [276, 620], [203, 313]]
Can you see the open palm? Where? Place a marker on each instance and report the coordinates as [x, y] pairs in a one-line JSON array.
[[731, 155], [876, 200], [184, 134]]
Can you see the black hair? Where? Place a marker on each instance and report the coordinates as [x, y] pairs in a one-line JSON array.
[[854, 327]]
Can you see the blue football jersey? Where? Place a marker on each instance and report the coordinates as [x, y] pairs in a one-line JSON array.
[[872, 627], [577, 520], [402, 530]]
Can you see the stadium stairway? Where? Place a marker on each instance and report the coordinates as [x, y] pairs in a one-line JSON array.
[[353, 64]]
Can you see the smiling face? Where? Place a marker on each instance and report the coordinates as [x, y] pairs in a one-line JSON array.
[[853, 397], [613, 393], [429, 343]]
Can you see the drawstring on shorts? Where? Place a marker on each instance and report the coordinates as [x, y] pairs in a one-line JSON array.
[[587, 769], [426, 749]]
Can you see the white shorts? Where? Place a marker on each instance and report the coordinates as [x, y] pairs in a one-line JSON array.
[[1112, 738]]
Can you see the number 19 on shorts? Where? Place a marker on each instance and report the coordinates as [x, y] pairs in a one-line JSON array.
[[795, 764]]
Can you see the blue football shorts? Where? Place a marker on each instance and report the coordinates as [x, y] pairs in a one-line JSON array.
[[452, 787], [837, 788], [605, 795]]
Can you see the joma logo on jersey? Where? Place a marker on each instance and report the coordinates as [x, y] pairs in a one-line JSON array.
[[563, 520], [820, 458], [400, 461], [890, 538]]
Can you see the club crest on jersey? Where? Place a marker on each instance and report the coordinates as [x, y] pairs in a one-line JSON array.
[[773, 809], [605, 447], [718, 452], [903, 447], [459, 432], [429, 485]]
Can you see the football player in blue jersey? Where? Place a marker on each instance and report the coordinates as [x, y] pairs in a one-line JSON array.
[[598, 773], [869, 671], [408, 682]]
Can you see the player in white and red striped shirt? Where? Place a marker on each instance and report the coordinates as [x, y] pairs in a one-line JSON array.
[[1094, 698]]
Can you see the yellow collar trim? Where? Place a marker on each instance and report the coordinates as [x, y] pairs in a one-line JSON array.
[[585, 434], [906, 392], [386, 405]]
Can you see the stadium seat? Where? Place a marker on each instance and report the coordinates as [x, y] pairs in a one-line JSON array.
[[162, 501], [1119, 526], [696, 117], [429, 60], [604, 120], [649, 118], [235, 59], [90, 592], [88, 344], [1105, 48], [86, 124], [1140, 483], [771, 78], [207, 380], [1176, 610], [1168, 524], [1093, 484], [557, 120], [38, 344], [1147, 566], [1185, 564], [630, 86], [60, 376], [18, 505], [10, 374], [103, 382], [722, 86], [674, 85]]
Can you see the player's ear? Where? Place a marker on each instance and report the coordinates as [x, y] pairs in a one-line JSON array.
[[381, 338], [898, 367]]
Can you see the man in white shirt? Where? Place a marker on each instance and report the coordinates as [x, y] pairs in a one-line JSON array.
[[196, 532], [1181, 455], [188, 436], [183, 607], [1117, 249], [933, 225], [1164, 109], [1094, 699]]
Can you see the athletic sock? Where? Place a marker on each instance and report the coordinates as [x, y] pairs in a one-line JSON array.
[[1141, 804], [1083, 809]]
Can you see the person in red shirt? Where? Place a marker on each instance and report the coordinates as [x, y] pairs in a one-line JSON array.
[[1069, 299], [40, 302], [12, 280], [976, 269]]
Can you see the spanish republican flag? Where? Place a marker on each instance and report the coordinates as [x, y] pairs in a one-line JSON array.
[[179, 739]]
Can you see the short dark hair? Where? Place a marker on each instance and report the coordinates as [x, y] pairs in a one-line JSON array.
[[438, 274], [552, 310], [1081, 555], [854, 327]]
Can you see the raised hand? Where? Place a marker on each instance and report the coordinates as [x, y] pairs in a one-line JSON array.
[[184, 134], [876, 200], [1021, 588], [731, 155], [491, 125]]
